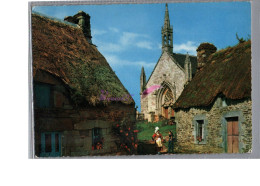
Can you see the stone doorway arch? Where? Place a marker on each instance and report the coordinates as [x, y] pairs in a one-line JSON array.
[[166, 94]]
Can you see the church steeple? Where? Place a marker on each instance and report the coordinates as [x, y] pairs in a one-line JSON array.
[[142, 80], [167, 32]]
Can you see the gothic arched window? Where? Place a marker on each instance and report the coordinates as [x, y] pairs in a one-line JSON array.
[[167, 97]]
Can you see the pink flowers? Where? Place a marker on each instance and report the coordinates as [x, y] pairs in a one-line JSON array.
[[199, 138]]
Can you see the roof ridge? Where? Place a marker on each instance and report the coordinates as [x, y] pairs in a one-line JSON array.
[[54, 19], [184, 54], [174, 60]]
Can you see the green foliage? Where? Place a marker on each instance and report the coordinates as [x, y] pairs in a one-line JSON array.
[[89, 79], [229, 55], [146, 129], [240, 40]]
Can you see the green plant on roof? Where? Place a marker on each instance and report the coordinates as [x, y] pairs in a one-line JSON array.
[[240, 40]]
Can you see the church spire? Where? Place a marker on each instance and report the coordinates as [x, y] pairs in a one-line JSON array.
[[166, 17], [142, 80], [167, 32]]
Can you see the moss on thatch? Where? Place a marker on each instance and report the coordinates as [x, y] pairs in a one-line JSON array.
[[62, 50], [228, 72]]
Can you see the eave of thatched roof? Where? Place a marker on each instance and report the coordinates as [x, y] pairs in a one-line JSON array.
[[228, 72], [62, 49]]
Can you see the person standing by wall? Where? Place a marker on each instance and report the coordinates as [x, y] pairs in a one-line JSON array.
[[171, 141]]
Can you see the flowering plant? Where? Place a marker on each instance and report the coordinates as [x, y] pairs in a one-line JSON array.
[[199, 138]]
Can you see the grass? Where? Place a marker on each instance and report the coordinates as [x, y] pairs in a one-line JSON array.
[[146, 129]]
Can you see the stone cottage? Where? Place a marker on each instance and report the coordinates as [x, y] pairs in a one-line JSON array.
[[214, 111], [171, 73], [80, 106]]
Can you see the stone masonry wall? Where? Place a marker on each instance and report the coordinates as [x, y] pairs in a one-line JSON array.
[[215, 127], [75, 125], [166, 70], [79, 141]]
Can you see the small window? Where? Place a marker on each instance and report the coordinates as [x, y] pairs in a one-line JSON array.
[[43, 95], [200, 131], [224, 102], [97, 139]]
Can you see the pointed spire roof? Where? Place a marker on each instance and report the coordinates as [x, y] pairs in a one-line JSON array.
[[143, 73], [166, 17], [167, 33]]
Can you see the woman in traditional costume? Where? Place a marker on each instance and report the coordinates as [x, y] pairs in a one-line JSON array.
[[157, 137]]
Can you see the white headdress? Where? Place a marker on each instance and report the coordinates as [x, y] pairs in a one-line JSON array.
[[156, 129]]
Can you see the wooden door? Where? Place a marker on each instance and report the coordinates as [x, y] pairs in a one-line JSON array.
[[233, 136], [166, 112], [172, 114]]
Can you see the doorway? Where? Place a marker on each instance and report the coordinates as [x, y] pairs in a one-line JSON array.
[[232, 135]]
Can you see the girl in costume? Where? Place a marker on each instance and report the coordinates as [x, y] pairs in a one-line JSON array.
[[157, 137]]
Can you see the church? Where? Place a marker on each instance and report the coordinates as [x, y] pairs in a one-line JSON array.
[[172, 72]]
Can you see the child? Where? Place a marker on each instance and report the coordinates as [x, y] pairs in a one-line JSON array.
[[171, 140]]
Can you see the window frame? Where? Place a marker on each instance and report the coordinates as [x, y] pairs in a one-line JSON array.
[[100, 138], [200, 120], [51, 95], [53, 152]]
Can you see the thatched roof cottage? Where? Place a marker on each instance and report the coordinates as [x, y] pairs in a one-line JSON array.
[[80, 105]]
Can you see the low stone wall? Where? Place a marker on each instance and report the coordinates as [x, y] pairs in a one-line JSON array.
[[215, 127], [75, 127]]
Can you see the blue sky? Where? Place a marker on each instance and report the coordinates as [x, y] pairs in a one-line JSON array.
[[129, 36]]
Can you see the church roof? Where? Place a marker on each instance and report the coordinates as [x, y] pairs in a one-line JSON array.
[[227, 73], [62, 50], [180, 59]]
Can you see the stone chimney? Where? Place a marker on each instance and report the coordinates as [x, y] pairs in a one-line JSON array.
[[83, 20], [203, 53]]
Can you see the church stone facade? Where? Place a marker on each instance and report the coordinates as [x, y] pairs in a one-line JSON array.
[[172, 72]]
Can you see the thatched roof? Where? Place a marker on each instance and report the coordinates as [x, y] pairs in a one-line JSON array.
[[180, 58], [227, 73], [62, 50]]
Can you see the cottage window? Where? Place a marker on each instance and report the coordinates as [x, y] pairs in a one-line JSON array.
[[97, 139], [223, 102], [200, 131], [43, 95], [50, 144]]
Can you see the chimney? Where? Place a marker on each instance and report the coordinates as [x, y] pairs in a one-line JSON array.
[[83, 20], [203, 53]]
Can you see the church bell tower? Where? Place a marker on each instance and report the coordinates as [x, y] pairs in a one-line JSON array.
[[167, 32]]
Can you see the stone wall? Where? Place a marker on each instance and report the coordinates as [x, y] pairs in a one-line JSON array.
[[166, 71], [215, 127], [75, 124], [76, 127], [79, 141]]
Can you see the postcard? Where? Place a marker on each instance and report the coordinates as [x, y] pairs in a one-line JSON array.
[[141, 79]]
